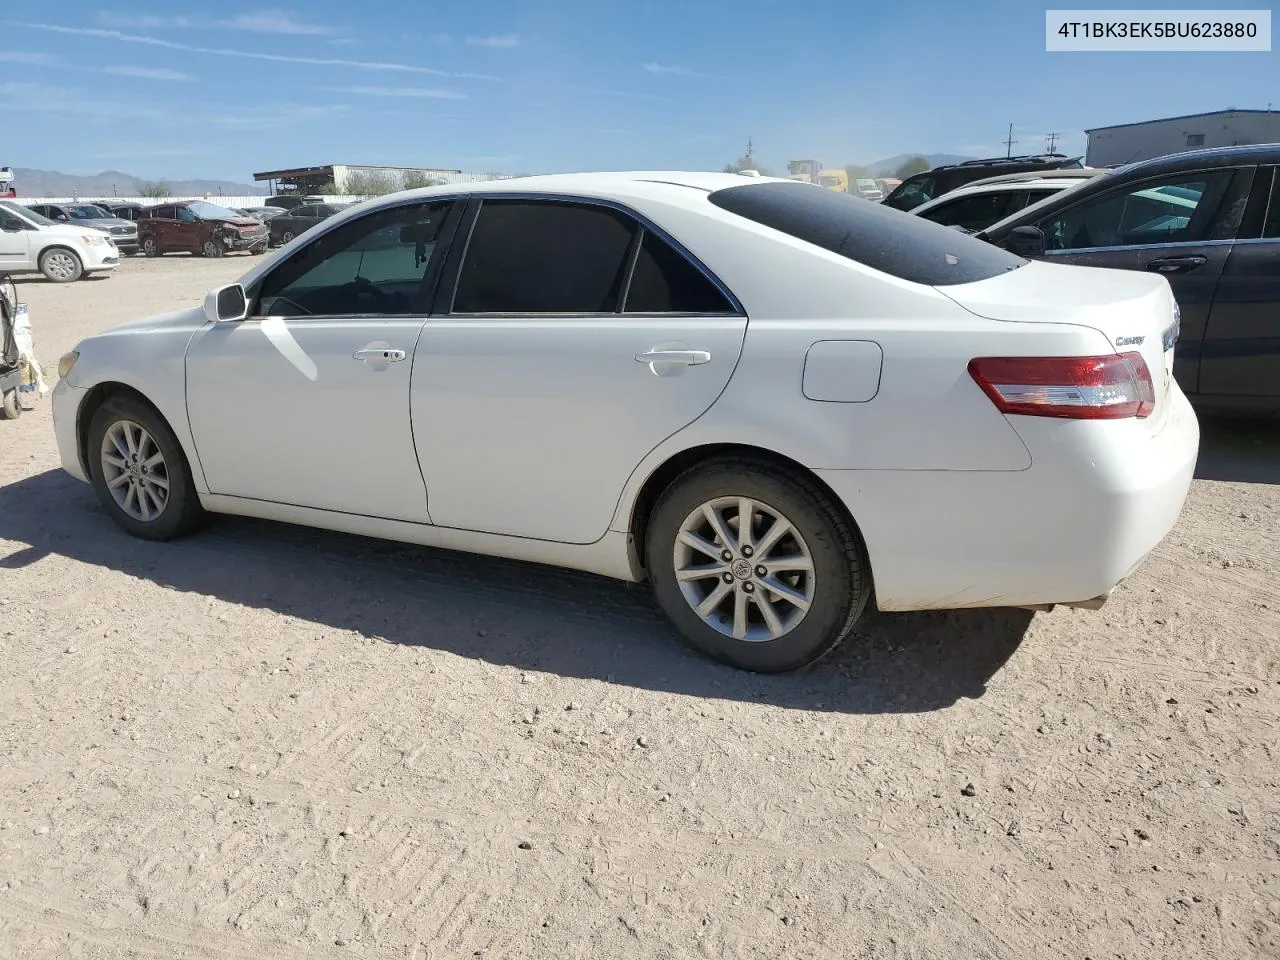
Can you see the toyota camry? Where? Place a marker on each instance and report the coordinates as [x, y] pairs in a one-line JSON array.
[[778, 404]]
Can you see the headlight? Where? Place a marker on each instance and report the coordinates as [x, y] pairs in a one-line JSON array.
[[67, 362], [93, 239]]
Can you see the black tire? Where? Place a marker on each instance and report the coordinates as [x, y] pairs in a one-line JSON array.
[[150, 247], [10, 408], [182, 512], [60, 265], [212, 249], [841, 578]]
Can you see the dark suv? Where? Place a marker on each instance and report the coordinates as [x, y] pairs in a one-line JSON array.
[[934, 183], [199, 227], [1209, 221]]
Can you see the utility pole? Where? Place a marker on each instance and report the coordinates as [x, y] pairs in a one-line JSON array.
[[1009, 142], [1052, 139]]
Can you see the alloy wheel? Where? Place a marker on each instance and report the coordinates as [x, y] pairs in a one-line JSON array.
[[744, 569], [135, 471]]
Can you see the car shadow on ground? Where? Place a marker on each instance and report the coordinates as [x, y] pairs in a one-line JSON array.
[[1238, 450], [523, 615]]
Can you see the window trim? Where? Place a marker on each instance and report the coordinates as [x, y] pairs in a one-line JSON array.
[[1272, 205], [1235, 187], [436, 270], [447, 292]]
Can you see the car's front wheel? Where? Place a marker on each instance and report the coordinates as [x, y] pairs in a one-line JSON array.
[[60, 265], [139, 471], [755, 565]]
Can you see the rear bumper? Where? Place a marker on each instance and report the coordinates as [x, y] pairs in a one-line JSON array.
[[1097, 499]]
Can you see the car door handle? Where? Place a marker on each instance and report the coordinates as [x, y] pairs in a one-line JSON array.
[[381, 355], [1177, 264], [690, 358]]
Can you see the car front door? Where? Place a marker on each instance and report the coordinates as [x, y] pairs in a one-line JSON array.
[[187, 230], [306, 402], [1241, 355], [576, 340], [1179, 226]]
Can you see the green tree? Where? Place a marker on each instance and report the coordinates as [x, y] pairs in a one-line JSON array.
[[414, 180], [912, 166], [153, 189]]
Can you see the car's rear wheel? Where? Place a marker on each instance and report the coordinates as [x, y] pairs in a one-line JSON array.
[[212, 248], [756, 566], [150, 248], [139, 471], [60, 265]]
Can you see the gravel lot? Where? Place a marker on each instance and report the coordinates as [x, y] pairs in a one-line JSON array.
[[273, 742]]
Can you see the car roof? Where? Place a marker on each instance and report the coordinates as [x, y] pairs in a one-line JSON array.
[[1210, 156], [1028, 176]]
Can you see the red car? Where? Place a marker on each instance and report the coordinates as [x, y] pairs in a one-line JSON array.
[[195, 226]]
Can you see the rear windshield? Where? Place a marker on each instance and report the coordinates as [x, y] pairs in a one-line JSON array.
[[899, 244]]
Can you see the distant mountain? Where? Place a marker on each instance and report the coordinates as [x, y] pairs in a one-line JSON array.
[[109, 183], [886, 167]]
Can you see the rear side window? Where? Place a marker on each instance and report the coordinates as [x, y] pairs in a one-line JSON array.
[[899, 244], [532, 256], [665, 282]]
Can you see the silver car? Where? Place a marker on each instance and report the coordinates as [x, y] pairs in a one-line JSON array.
[[123, 232]]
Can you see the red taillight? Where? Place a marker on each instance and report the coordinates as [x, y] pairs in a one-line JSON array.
[[1111, 387]]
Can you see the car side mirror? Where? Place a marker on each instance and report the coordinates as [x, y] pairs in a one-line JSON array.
[[1026, 241], [226, 304]]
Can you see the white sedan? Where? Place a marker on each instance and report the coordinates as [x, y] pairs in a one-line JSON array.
[[775, 403]]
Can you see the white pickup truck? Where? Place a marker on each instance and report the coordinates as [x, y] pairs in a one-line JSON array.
[[30, 243]]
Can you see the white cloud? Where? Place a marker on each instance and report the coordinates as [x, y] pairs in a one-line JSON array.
[[274, 21], [28, 57], [665, 70], [503, 40], [423, 93], [260, 21], [147, 73], [247, 55], [143, 21]]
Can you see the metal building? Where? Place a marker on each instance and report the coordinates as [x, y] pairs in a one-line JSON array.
[[1130, 142], [346, 176]]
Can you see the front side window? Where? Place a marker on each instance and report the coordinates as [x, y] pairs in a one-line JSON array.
[[1179, 210], [537, 256], [375, 265]]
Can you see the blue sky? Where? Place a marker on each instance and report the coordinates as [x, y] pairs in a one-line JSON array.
[[159, 90]]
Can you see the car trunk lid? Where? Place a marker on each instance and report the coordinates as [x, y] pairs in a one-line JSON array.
[[1135, 312]]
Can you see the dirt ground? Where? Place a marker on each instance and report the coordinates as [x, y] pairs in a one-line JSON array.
[[266, 741]]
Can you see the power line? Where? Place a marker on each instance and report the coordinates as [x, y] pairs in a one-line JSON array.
[[1009, 142]]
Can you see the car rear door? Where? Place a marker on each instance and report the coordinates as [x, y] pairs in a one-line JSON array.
[[1178, 225], [1240, 362], [574, 340]]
